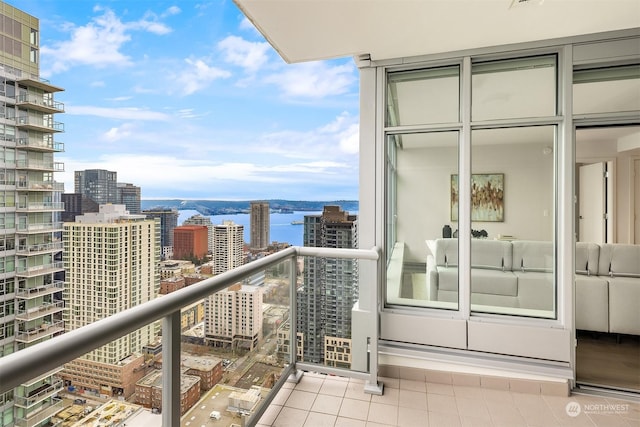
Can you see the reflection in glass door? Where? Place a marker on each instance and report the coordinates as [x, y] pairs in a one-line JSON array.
[[607, 284]]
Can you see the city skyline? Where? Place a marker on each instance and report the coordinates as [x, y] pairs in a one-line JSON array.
[[187, 100]]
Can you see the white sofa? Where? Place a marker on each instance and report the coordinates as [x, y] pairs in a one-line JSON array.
[[519, 274], [515, 274], [608, 288]]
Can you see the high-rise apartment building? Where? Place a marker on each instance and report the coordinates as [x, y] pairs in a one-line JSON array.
[[259, 225], [128, 195], [111, 260], [329, 290], [202, 220], [228, 242], [30, 229], [190, 241], [233, 317], [77, 204], [168, 222], [98, 184]]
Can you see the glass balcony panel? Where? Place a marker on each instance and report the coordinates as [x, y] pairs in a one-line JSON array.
[[422, 268], [512, 214]]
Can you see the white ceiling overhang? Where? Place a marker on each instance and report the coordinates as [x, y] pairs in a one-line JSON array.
[[307, 30]]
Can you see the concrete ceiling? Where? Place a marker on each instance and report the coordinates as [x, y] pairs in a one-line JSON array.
[[307, 30]]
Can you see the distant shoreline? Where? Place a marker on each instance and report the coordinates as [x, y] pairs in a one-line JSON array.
[[231, 207]]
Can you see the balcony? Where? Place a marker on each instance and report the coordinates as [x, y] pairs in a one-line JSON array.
[[39, 394], [38, 103], [38, 228], [37, 124], [43, 330], [43, 414], [39, 291], [40, 311], [322, 395], [39, 206], [39, 270], [39, 83], [57, 351], [40, 165], [40, 186], [45, 144]]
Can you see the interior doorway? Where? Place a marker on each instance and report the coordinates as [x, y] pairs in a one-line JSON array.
[[607, 211]]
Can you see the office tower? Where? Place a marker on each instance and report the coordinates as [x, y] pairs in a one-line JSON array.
[[77, 204], [30, 239], [202, 220], [98, 184], [111, 260], [228, 241], [168, 222], [128, 195], [259, 226], [329, 290], [190, 242], [233, 317]]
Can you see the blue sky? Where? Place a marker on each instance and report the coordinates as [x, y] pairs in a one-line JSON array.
[[187, 100]]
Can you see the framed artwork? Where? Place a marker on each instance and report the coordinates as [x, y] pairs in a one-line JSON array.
[[487, 197]]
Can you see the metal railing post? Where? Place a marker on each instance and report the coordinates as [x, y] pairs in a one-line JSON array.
[[171, 370], [293, 320]]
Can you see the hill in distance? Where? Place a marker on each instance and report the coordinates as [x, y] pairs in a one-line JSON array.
[[227, 207]]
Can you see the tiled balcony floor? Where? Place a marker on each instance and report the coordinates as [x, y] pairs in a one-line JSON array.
[[319, 400]]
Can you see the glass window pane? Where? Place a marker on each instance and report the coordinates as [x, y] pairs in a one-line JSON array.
[[517, 88], [512, 211], [423, 96], [606, 90], [422, 269]]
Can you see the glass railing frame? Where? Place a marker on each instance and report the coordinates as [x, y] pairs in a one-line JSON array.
[[21, 366]]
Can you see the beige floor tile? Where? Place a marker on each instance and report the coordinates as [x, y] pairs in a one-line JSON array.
[[413, 385], [475, 408], [326, 404], [475, 422], [502, 396], [355, 390], [310, 382], [412, 399], [442, 403], [270, 414], [333, 387], [412, 417], [349, 422], [315, 419], [290, 417], [383, 414], [353, 408], [282, 396], [504, 414], [301, 400], [437, 419], [390, 382], [437, 388], [469, 392], [606, 420], [390, 397]]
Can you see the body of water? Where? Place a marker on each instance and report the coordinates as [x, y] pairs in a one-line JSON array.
[[281, 229]]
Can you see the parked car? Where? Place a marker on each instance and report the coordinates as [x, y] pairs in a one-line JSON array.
[[80, 401], [215, 415]]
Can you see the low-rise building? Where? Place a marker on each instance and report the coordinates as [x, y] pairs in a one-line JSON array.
[[208, 369], [149, 391]]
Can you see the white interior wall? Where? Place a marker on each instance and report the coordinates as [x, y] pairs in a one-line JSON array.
[[423, 189]]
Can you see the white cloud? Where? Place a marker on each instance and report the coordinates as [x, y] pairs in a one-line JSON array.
[[314, 79], [249, 55], [116, 113], [172, 10], [118, 133], [97, 43], [198, 75]]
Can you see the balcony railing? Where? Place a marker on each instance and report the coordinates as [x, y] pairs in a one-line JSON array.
[[36, 419], [41, 104], [42, 310], [37, 228], [40, 185], [21, 366], [38, 270], [46, 143], [27, 122], [46, 390], [43, 330], [38, 291]]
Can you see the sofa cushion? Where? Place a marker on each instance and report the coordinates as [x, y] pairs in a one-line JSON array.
[[617, 259], [587, 256], [532, 255], [488, 254], [493, 282]]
